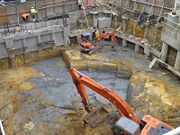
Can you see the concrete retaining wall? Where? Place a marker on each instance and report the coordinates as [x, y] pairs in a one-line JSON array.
[[49, 37], [46, 9], [130, 4], [171, 36]]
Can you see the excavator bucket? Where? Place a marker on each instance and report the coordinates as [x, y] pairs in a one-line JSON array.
[[97, 116]]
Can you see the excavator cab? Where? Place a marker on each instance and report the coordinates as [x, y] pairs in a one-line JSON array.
[[86, 45]]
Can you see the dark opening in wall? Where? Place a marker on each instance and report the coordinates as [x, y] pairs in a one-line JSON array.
[[131, 45], [119, 41], [141, 50], [171, 57], [73, 40]]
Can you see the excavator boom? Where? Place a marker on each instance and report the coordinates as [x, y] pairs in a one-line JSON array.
[[81, 80]]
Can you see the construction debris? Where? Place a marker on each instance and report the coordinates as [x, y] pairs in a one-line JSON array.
[[175, 72]]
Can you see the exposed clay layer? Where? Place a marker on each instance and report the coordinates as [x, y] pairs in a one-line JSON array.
[[29, 58]]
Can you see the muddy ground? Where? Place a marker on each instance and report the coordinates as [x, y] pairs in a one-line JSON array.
[[41, 98]]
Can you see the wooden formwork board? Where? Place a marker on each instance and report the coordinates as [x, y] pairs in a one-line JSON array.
[[3, 19]]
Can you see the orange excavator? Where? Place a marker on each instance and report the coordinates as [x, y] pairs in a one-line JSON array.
[[129, 123], [107, 36], [87, 46]]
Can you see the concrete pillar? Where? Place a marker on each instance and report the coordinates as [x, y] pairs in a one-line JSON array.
[[95, 20], [124, 43], [137, 47], [147, 52], [39, 39], [9, 43], [124, 26], [177, 62], [115, 21], [78, 39], [24, 44], [164, 52], [124, 23], [67, 41], [146, 32], [66, 31], [54, 37]]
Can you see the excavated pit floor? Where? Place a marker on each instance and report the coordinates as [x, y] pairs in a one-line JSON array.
[[52, 94], [41, 98]]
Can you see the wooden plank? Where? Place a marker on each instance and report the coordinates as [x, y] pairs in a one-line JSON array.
[[151, 65], [167, 66]]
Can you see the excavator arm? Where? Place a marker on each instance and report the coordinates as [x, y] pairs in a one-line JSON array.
[[81, 81]]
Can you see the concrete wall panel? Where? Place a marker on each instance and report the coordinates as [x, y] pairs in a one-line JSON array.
[[4, 19], [3, 51], [18, 43], [74, 6], [50, 11], [45, 8], [42, 14], [169, 3], [67, 8], [171, 37], [46, 38], [104, 22], [59, 38], [12, 18], [125, 3], [59, 10], [31, 44]]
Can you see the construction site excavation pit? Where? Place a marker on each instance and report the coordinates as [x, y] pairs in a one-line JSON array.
[[50, 48], [40, 97]]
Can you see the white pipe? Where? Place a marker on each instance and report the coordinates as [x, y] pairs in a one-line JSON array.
[[2, 128], [174, 132]]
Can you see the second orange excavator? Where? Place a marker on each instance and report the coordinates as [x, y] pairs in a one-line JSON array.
[[129, 123], [87, 46]]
